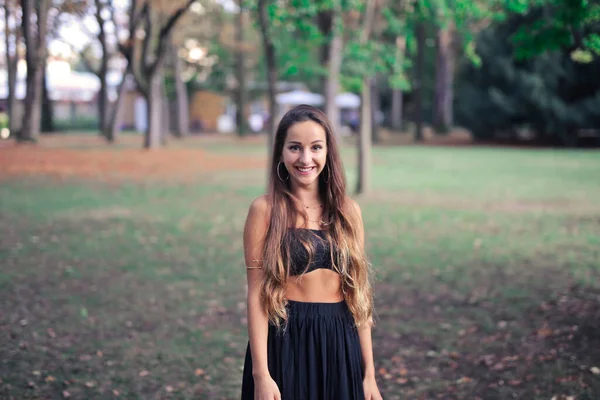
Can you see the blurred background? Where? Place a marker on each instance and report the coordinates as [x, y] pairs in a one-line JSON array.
[[135, 134]]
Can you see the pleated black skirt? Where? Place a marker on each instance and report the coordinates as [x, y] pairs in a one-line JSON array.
[[316, 357]]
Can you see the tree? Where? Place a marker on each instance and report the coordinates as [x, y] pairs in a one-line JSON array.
[[12, 36], [419, 80], [241, 90], [331, 25], [147, 68], [397, 88], [182, 110], [265, 11], [35, 28], [364, 145], [557, 25], [548, 97], [444, 78]]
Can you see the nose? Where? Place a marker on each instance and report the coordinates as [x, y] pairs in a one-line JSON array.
[[305, 158]]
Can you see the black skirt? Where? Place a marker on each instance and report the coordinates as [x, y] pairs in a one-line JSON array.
[[316, 357]]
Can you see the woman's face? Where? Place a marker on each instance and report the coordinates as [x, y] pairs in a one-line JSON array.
[[305, 152]]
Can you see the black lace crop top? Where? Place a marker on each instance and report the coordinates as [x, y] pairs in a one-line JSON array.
[[299, 256]]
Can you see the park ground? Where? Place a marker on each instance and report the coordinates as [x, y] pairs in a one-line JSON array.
[[122, 274]]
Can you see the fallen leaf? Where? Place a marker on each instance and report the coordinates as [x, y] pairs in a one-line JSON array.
[[99, 353], [90, 384], [36, 373], [116, 393], [595, 370], [169, 389], [50, 378], [51, 333], [199, 372], [144, 373], [544, 331], [402, 381], [403, 371], [66, 394], [464, 379]]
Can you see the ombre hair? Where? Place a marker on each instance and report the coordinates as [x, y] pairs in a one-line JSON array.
[[347, 254]]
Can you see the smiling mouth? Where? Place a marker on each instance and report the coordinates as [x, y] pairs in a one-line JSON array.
[[305, 170]]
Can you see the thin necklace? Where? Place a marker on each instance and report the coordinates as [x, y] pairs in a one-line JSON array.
[[311, 207]]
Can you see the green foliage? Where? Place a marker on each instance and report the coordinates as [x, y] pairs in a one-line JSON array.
[[555, 24], [549, 94]]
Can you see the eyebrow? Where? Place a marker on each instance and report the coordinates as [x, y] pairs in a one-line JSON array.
[[295, 142]]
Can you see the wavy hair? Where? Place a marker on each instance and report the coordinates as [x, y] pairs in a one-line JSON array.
[[347, 255]]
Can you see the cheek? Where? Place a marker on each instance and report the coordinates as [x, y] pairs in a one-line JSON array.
[[322, 159]]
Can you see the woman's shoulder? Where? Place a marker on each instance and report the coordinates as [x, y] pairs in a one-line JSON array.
[[351, 208], [259, 208], [260, 204]]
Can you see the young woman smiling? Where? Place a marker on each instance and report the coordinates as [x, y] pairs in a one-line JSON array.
[[310, 301]]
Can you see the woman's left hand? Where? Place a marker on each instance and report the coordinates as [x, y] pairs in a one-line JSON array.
[[370, 389]]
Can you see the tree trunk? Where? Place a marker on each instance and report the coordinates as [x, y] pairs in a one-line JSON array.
[[334, 64], [418, 98], [113, 125], [397, 102], [397, 109], [47, 122], [444, 75], [182, 114], [103, 102], [269, 50], [35, 42], [364, 149], [364, 142], [241, 74], [166, 122], [30, 127], [154, 100], [103, 95], [11, 42], [375, 109]]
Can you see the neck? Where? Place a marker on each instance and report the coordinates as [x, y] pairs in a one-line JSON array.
[[307, 195]]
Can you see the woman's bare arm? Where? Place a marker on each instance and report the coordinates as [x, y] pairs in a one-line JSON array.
[[364, 332], [254, 235]]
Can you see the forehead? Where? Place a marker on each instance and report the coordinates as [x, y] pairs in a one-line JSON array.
[[305, 132]]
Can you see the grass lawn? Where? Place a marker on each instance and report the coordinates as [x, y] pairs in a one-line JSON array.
[[122, 272]]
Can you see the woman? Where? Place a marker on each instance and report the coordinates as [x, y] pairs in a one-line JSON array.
[[309, 294]]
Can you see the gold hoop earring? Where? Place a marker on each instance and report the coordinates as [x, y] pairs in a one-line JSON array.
[[279, 176]]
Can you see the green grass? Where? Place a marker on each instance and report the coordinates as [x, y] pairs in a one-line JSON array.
[[476, 250]]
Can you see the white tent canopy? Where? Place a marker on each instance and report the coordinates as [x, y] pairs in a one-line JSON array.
[[347, 100], [297, 97]]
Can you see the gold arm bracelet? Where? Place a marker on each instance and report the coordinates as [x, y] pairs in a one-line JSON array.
[[253, 267]]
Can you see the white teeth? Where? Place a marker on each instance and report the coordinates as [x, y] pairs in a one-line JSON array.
[[304, 169]]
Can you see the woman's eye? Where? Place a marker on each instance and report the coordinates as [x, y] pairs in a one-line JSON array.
[[294, 147], [317, 147]]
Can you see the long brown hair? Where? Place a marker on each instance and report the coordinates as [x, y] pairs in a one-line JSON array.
[[348, 256]]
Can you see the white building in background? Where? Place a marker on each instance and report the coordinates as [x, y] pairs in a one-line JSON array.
[[73, 93]]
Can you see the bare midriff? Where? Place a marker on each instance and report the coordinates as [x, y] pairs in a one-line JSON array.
[[318, 286]]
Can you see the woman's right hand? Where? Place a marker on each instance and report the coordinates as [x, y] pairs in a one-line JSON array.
[[265, 388]]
